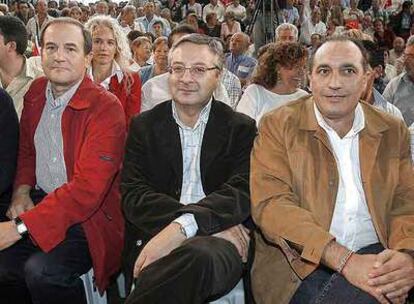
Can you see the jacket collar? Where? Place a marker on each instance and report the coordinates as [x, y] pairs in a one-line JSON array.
[[215, 135], [374, 123], [78, 101]]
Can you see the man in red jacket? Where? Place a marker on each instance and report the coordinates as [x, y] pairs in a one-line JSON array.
[[65, 211]]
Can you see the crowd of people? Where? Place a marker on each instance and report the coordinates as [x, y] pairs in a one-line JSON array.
[[163, 140]]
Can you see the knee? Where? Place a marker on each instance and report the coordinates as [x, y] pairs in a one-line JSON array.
[[209, 249], [34, 270], [41, 271], [199, 248]]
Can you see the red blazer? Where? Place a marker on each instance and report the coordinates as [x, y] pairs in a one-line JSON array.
[[93, 129], [128, 94]]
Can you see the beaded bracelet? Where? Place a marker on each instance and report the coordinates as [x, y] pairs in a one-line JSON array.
[[344, 260]]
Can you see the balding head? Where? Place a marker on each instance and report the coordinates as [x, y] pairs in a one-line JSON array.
[[399, 45], [239, 43]]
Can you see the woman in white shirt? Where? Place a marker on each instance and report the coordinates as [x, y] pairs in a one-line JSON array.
[[276, 80]]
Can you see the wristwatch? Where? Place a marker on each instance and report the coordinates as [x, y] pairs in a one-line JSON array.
[[21, 227], [182, 230]]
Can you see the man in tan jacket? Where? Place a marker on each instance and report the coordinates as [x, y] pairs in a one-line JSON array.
[[332, 191]]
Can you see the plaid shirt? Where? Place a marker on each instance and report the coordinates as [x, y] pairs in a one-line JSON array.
[[233, 87]]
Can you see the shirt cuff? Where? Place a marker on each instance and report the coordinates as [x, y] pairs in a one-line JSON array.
[[189, 224]]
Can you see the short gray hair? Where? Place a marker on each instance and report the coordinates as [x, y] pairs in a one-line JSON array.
[[129, 8], [287, 26], [214, 45], [410, 41]]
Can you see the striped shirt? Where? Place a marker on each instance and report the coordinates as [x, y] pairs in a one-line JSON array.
[[192, 188], [48, 140]]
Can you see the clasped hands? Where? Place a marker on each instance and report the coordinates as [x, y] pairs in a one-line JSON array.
[[171, 238], [388, 276]]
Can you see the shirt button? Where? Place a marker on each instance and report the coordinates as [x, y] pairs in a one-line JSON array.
[[54, 159], [52, 115], [139, 243]]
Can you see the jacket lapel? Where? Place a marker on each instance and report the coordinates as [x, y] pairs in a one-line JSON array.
[[369, 143], [215, 136], [169, 137]]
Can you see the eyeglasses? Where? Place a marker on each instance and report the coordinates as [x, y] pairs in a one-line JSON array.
[[195, 71]]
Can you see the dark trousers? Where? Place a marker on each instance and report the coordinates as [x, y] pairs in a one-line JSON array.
[[201, 270], [29, 275], [324, 286]]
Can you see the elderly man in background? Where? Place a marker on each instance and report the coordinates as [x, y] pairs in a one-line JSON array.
[[286, 32], [237, 61], [400, 90]]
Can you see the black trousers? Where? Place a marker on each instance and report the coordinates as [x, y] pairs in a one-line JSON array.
[[29, 275], [201, 270]]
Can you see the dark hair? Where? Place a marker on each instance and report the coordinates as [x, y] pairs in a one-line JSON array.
[[214, 45], [158, 22], [276, 55], [87, 37], [52, 12], [375, 54], [13, 29], [181, 29], [134, 34], [333, 39]]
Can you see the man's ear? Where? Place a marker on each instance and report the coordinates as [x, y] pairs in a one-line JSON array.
[[11, 45]]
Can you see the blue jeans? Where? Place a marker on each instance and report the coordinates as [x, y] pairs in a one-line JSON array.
[[325, 286]]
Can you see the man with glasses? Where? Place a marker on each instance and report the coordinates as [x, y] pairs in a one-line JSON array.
[[185, 185]]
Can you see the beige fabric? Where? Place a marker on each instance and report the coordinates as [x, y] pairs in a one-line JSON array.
[[294, 183], [20, 84]]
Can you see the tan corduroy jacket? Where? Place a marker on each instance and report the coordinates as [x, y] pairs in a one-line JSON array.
[[294, 181]]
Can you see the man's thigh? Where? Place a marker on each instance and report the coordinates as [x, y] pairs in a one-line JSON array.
[[13, 259], [203, 268], [24, 260], [324, 286], [63, 264]]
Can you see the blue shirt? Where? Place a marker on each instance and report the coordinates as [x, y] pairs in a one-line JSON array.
[[241, 65]]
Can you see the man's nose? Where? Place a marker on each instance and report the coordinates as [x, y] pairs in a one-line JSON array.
[[335, 81]]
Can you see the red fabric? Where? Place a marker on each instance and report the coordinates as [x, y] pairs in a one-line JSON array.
[[129, 94], [353, 24], [93, 129]]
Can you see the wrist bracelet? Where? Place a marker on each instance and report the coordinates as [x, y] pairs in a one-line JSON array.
[[344, 260]]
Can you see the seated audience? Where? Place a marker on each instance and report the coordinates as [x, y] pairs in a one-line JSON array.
[[400, 90], [111, 55], [236, 61], [286, 32], [276, 80], [16, 72], [141, 51], [160, 66]]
